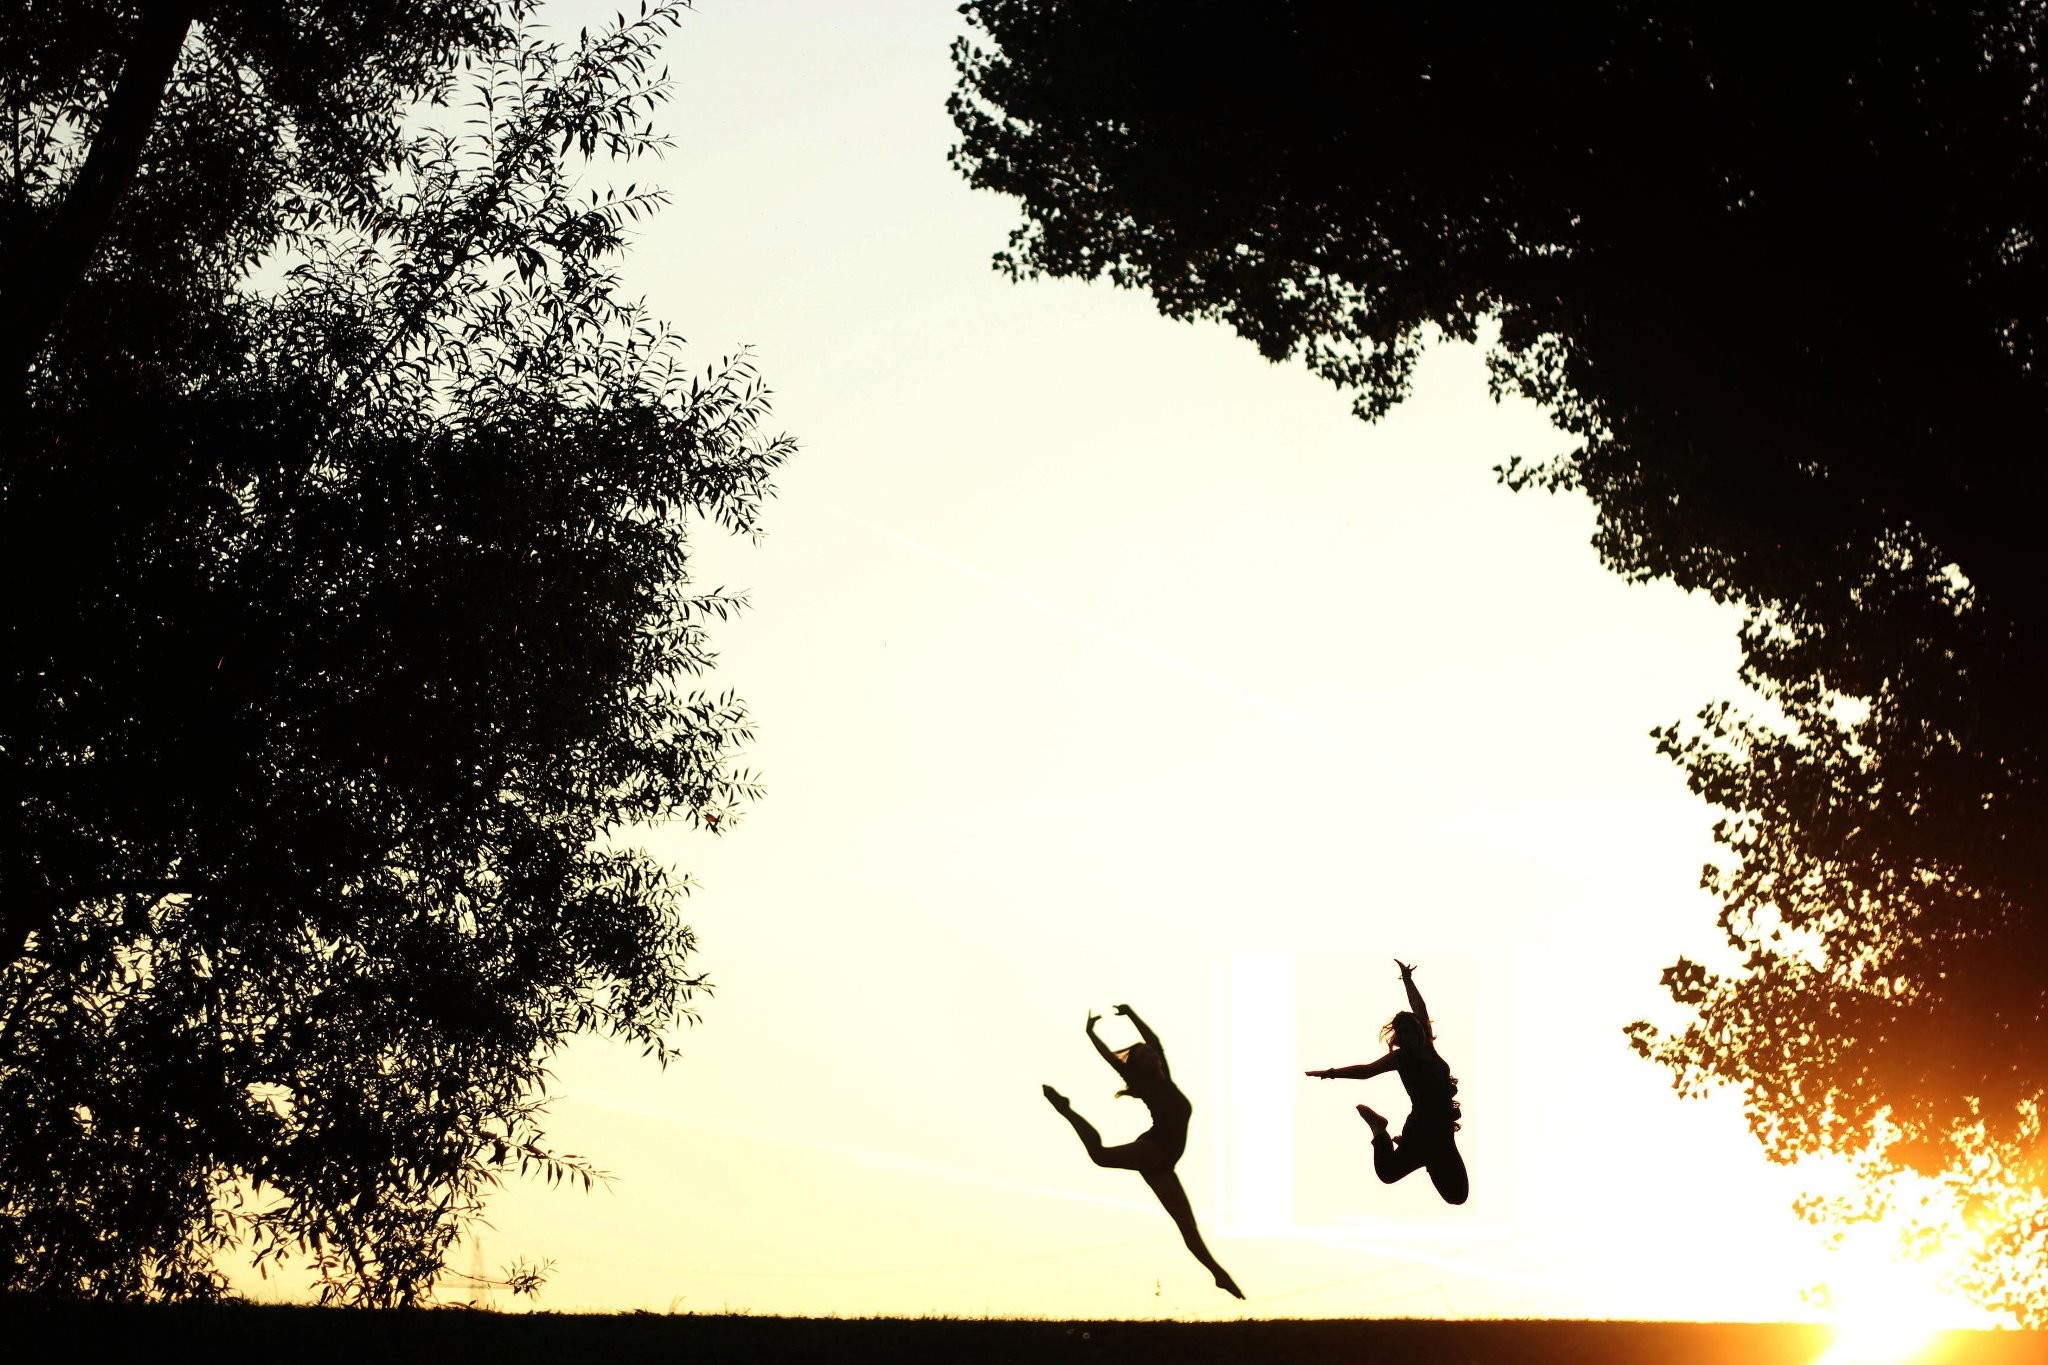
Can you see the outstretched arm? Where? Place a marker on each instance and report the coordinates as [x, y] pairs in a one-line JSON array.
[[1355, 1073], [1414, 996]]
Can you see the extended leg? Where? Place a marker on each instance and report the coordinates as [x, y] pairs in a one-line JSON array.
[[1166, 1185], [1124, 1158]]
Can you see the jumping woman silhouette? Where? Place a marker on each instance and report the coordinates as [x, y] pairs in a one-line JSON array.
[[1153, 1152], [1428, 1139]]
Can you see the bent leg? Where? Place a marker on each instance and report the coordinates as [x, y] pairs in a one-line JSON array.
[[1167, 1186], [1447, 1173], [1392, 1161]]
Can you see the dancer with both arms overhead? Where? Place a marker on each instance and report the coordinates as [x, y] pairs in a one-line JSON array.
[[1151, 1154], [1428, 1139]]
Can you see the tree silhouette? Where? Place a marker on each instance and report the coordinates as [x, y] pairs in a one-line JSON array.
[[1779, 274], [348, 505]]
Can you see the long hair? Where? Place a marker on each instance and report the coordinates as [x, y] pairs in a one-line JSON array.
[[1390, 1031], [1142, 1056]]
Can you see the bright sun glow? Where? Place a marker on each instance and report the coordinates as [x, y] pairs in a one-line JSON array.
[[1887, 1309]]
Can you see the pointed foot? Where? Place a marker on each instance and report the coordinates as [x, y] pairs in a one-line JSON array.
[[1228, 1285], [1373, 1117], [1055, 1099]]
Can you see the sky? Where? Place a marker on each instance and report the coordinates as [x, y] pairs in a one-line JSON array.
[[1095, 660]]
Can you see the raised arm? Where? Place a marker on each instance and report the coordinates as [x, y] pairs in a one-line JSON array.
[[1355, 1073], [1145, 1032], [1101, 1047], [1414, 996], [1144, 1029]]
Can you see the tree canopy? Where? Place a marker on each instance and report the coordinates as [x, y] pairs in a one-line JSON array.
[[1779, 274], [350, 504]]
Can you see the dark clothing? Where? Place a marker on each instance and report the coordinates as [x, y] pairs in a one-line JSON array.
[[1428, 1139], [1424, 1142], [1170, 1112], [1432, 1090]]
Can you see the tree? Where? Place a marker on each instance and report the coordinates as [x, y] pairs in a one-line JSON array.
[[330, 73], [1779, 275], [358, 500]]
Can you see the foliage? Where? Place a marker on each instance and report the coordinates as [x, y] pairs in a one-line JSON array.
[[357, 500], [1788, 298]]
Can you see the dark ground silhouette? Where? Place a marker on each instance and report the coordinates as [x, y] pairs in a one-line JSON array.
[[314, 1336]]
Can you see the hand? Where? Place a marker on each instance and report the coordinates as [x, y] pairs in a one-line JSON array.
[[1319, 1075], [1123, 1009], [1407, 969], [1093, 1020]]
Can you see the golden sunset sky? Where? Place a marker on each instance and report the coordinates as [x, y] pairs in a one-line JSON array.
[[1095, 660]]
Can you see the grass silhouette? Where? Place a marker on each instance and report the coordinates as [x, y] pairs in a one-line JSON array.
[[305, 1334]]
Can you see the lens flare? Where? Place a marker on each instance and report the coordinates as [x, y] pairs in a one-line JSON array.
[[1887, 1308]]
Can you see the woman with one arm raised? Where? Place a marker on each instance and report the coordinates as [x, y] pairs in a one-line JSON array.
[[1153, 1153], [1429, 1138]]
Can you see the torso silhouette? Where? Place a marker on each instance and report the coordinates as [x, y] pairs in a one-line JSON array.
[[1431, 1090], [1170, 1112]]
